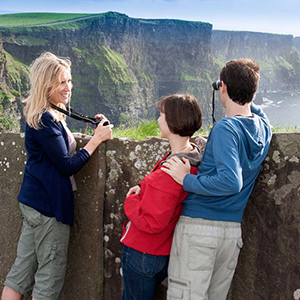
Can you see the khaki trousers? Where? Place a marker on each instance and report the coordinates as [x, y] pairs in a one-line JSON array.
[[41, 256], [203, 259]]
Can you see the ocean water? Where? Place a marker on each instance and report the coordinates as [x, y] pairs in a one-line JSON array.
[[282, 109]]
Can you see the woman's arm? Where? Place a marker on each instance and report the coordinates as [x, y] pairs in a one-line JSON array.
[[53, 144], [152, 209], [227, 178]]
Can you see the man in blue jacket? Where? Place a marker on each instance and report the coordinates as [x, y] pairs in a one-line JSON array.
[[207, 238]]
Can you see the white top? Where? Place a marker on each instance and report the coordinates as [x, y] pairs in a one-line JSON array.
[[72, 149]]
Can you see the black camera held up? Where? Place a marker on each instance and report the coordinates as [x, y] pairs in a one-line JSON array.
[[96, 121], [78, 116], [216, 84]]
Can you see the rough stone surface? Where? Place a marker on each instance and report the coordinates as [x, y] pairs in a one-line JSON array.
[[85, 262], [127, 163], [12, 162], [268, 267]]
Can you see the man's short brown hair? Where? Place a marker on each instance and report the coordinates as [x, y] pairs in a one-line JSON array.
[[241, 77], [183, 113]]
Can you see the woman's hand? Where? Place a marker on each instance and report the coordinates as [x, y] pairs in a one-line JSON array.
[[100, 116], [177, 168], [101, 134], [134, 190]]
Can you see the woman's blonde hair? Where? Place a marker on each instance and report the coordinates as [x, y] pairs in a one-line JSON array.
[[44, 79]]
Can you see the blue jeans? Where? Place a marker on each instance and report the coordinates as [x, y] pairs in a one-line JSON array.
[[142, 272]]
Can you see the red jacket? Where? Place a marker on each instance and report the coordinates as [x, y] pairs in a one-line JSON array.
[[153, 213]]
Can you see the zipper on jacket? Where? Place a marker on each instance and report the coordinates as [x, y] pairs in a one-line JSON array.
[[127, 229]]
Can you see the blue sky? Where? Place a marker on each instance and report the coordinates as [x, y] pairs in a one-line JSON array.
[[272, 16]]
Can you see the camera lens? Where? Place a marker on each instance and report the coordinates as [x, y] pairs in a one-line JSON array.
[[216, 84], [98, 120]]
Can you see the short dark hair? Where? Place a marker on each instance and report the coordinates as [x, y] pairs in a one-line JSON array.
[[241, 77], [183, 113]]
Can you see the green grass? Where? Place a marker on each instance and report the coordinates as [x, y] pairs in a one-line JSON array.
[[285, 128], [31, 19], [145, 129], [106, 69], [138, 132], [110, 64], [7, 124], [17, 72], [142, 130], [150, 128]]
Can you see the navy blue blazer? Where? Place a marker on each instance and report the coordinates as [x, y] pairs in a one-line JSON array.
[[46, 185]]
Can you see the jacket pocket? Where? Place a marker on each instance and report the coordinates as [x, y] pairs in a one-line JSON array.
[[178, 289], [201, 252]]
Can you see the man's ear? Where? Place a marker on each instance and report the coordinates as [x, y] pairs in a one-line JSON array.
[[223, 88]]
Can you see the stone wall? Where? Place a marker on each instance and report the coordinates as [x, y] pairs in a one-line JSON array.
[[269, 264]]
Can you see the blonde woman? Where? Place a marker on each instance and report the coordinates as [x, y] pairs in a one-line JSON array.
[[46, 196]]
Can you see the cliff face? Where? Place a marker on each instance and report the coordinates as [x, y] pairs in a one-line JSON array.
[[296, 43], [280, 63], [10, 111], [3, 70], [122, 66], [256, 45]]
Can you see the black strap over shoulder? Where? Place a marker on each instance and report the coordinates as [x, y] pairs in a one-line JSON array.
[[78, 116]]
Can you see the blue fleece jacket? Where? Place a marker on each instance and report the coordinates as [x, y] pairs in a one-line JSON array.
[[235, 149]]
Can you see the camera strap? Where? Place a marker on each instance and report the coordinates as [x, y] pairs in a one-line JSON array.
[[75, 115], [213, 107]]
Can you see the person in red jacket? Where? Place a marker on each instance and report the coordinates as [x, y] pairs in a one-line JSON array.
[[154, 206]]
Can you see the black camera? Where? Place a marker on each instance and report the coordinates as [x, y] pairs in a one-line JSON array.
[[98, 120], [216, 84]]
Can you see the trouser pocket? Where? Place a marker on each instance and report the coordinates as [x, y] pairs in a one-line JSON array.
[[32, 217], [178, 289], [235, 254], [51, 273], [201, 253]]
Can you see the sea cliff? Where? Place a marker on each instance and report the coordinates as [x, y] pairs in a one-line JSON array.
[[121, 66]]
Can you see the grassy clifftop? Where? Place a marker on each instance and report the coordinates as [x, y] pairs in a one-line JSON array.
[[32, 19]]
